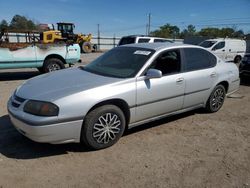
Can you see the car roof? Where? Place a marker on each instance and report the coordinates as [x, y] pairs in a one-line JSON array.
[[158, 45], [224, 39], [145, 36]]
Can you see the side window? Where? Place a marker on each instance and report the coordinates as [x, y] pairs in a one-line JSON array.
[[162, 40], [159, 40], [142, 40], [218, 46], [196, 59], [168, 62]]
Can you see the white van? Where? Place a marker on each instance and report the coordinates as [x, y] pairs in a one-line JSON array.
[[227, 49], [141, 39]]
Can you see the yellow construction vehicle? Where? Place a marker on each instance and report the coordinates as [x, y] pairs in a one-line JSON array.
[[65, 32]]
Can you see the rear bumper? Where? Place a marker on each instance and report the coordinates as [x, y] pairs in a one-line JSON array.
[[233, 86]]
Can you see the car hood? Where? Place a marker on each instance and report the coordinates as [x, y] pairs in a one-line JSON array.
[[58, 84]]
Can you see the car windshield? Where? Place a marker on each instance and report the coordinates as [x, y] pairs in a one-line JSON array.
[[120, 62], [207, 43]]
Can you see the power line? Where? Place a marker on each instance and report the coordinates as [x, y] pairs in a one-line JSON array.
[[226, 21], [201, 23], [124, 28]]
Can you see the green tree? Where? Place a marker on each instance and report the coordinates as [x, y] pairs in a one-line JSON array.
[[22, 23], [210, 32], [3, 25], [238, 34], [167, 31], [223, 32], [226, 32], [190, 31]]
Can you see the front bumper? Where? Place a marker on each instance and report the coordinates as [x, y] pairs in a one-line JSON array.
[[54, 133]]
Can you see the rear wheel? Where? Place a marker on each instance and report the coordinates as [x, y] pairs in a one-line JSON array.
[[53, 64], [103, 127], [216, 99], [237, 59], [86, 47]]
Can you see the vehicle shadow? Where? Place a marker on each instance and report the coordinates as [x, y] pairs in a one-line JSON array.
[[162, 121], [9, 76], [16, 146]]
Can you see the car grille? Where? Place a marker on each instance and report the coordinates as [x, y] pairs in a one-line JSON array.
[[16, 101]]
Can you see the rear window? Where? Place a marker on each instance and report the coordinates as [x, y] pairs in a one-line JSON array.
[[127, 40]]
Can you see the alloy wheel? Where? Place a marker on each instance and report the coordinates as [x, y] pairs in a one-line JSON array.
[[106, 128], [217, 99], [53, 67]]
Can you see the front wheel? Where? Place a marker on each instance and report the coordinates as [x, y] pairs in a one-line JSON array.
[[216, 99], [103, 127]]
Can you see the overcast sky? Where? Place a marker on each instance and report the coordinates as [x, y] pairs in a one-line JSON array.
[[130, 16]]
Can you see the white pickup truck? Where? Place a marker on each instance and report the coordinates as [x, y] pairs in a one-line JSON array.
[[44, 57]]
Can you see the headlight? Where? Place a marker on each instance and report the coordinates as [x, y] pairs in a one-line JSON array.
[[40, 108]]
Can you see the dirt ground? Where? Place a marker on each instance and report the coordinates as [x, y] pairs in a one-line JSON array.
[[194, 149]]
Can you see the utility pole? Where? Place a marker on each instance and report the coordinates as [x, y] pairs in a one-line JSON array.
[[98, 37], [149, 23]]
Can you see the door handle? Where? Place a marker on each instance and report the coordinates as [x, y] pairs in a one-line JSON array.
[[179, 80], [213, 74]]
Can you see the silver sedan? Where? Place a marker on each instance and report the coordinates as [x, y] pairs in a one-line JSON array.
[[127, 86]]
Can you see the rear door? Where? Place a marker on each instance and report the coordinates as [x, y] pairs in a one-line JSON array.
[[161, 95], [200, 75]]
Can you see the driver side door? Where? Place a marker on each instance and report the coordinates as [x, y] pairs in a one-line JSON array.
[[158, 96]]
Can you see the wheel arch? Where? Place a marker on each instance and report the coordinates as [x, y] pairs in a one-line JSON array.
[[123, 105], [237, 56], [55, 56], [225, 84]]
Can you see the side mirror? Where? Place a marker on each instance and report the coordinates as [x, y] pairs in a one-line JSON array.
[[153, 73]]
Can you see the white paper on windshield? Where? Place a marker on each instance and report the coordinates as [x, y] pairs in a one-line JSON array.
[[141, 52]]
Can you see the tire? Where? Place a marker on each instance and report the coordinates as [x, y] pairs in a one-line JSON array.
[[53, 64], [216, 99], [40, 69], [86, 47], [103, 127], [237, 59]]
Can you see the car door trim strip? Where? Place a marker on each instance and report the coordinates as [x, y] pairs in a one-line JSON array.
[[167, 98]]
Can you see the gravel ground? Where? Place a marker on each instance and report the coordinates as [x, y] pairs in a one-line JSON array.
[[194, 149]]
